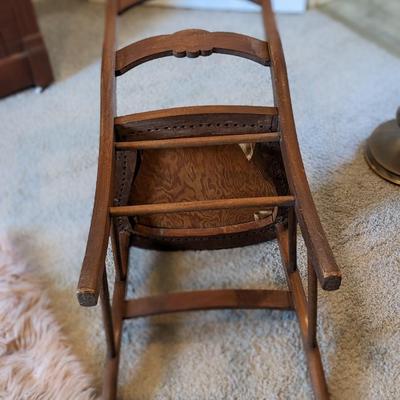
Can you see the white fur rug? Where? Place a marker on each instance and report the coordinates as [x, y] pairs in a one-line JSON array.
[[35, 361]]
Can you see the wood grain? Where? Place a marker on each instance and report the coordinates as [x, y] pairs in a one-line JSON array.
[[194, 174], [191, 43]]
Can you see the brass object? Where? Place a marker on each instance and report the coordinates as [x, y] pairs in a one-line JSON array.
[[383, 150]]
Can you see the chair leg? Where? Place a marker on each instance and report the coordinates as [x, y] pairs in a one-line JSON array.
[[110, 379], [312, 305], [113, 316], [116, 249], [306, 312], [107, 316], [292, 239], [124, 241], [311, 346], [112, 363]]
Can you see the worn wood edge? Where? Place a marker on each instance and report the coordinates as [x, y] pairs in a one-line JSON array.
[[328, 282], [331, 282], [87, 297]]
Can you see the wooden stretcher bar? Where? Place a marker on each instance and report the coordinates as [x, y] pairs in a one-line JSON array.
[[199, 141]]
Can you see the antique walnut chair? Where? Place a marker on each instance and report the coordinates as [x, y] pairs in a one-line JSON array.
[[177, 179]]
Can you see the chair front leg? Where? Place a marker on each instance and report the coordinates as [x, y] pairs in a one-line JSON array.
[[107, 316], [312, 305]]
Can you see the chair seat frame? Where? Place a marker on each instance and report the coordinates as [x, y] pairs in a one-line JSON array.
[[263, 124]]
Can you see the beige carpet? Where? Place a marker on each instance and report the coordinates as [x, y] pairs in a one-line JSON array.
[[342, 87]]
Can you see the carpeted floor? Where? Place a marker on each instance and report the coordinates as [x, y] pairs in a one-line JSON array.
[[377, 20], [342, 87]]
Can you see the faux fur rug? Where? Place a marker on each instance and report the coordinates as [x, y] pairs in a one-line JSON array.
[[35, 361], [342, 87]]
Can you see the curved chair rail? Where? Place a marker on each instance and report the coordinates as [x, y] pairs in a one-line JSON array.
[[321, 255], [191, 43]]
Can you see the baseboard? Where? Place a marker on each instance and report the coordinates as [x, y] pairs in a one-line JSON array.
[[284, 6]]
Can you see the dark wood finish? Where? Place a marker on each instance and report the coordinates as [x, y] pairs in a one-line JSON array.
[[186, 184], [24, 60], [191, 43], [209, 300]]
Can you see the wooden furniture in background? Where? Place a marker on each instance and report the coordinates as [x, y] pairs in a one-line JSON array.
[[177, 179], [23, 56]]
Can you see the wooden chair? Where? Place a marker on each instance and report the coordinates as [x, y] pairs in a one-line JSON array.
[[177, 179]]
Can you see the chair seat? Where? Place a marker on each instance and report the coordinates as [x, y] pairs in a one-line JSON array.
[[203, 173]]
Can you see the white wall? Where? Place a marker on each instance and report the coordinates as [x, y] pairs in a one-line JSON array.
[[238, 5]]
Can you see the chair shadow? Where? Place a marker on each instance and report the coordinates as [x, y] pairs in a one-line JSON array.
[[160, 337], [160, 332]]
